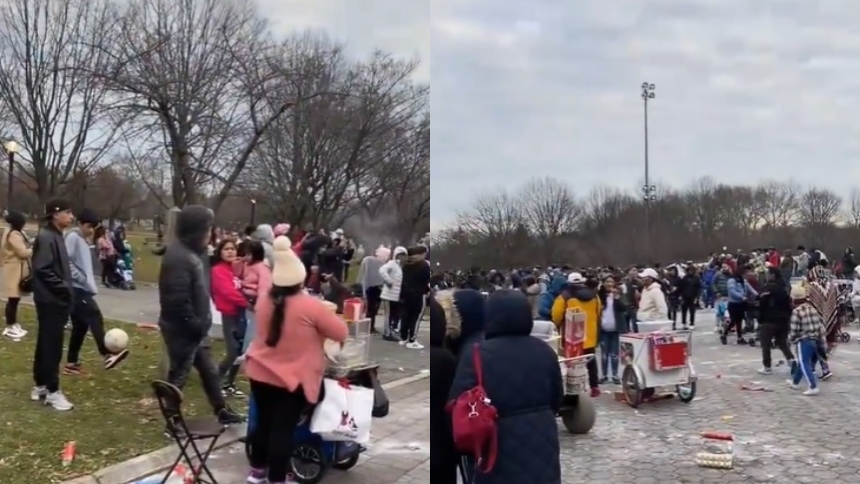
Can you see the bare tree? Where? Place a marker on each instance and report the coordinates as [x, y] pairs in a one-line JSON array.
[[57, 110], [819, 208], [329, 158], [193, 79], [779, 202], [550, 211], [853, 212]]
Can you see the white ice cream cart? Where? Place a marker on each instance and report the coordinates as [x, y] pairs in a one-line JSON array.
[[657, 357]]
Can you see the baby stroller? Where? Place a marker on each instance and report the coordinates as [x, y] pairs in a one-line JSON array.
[[124, 273]]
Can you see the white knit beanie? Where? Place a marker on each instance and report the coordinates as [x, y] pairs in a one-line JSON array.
[[288, 269]]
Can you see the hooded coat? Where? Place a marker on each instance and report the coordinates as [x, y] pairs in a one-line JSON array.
[[266, 234], [443, 365], [522, 378], [465, 313], [183, 283]]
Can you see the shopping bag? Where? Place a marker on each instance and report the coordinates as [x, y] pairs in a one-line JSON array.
[[344, 414]]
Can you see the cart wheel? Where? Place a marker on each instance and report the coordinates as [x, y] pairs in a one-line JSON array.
[[581, 418], [347, 463], [308, 464], [631, 387], [686, 393], [844, 337], [751, 342]]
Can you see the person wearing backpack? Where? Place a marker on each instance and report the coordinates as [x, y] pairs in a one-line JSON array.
[[512, 383]]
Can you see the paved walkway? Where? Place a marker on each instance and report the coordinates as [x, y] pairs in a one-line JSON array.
[[399, 452]]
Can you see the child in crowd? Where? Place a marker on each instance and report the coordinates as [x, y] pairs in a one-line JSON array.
[[231, 303], [256, 279], [807, 330], [722, 315]]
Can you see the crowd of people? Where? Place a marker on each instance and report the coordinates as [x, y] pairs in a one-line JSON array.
[[791, 301]]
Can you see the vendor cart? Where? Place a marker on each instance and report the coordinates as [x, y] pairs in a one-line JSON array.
[[656, 360], [577, 410]]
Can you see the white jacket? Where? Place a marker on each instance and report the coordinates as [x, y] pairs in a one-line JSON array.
[[392, 274], [652, 304]]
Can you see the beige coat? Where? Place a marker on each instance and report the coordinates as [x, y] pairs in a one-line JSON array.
[[16, 257]]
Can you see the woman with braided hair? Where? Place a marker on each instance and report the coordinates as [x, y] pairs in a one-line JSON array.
[[823, 294]]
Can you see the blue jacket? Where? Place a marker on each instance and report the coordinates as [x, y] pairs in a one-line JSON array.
[[708, 277], [739, 292], [523, 380], [546, 298]]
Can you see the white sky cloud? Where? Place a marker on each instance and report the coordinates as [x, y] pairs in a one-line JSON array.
[[745, 90]]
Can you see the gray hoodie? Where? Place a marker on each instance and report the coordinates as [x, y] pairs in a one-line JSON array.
[[266, 234], [81, 261]]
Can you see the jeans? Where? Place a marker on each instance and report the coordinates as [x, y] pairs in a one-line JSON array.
[[593, 379], [250, 329], [634, 322], [233, 328], [392, 317], [807, 355], [609, 347], [185, 354], [86, 317]]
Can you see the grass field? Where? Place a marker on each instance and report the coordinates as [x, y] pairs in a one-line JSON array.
[[115, 417]]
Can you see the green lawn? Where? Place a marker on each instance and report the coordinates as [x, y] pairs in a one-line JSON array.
[[146, 264], [115, 417]]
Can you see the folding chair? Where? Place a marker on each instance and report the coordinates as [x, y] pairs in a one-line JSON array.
[[187, 433]]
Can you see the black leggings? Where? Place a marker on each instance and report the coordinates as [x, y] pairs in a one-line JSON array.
[[688, 307], [271, 440], [413, 311], [372, 295], [737, 311], [12, 310]]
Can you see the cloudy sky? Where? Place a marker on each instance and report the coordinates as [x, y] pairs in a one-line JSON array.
[[745, 90]]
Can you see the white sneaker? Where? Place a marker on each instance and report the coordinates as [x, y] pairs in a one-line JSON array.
[[811, 392], [15, 331], [38, 393], [58, 401], [414, 345], [792, 385], [765, 371]]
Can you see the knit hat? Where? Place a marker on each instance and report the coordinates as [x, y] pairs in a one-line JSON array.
[[282, 229], [288, 270]]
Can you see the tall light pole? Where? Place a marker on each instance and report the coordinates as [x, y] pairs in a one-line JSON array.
[[648, 190], [253, 211], [11, 148]]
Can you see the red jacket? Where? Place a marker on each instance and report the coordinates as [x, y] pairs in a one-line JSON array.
[[773, 258], [226, 294]]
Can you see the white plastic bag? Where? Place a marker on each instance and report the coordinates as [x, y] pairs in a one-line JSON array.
[[345, 414]]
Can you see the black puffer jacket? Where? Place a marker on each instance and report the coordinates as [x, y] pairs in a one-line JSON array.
[[523, 379], [775, 304], [52, 274], [183, 284]]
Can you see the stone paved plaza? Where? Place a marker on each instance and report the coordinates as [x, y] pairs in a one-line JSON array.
[[780, 436]]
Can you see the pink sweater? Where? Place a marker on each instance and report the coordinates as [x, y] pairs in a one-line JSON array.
[[298, 358], [256, 278]]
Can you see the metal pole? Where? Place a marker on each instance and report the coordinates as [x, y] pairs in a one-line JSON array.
[[10, 179], [647, 190]]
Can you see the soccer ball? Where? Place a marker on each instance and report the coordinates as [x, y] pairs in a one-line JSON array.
[[116, 340]]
